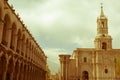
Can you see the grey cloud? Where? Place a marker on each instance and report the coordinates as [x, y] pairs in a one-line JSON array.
[[67, 24]]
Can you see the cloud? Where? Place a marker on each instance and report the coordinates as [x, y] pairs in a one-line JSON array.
[[64, 25]]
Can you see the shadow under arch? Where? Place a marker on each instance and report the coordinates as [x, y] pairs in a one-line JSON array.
[[85, 75], [10, 69], [3, 63], [104, 45], [16, 70], [18, 41], [13, 36], [6, 31]]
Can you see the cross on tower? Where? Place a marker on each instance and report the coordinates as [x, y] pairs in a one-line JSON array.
[[101, 5]]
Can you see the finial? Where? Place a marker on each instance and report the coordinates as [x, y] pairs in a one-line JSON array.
[[102, 13]]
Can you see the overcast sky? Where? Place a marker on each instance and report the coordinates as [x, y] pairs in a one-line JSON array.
[[61, 26]]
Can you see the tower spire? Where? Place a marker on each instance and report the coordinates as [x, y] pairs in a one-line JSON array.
[[103, 40], [102, 12]]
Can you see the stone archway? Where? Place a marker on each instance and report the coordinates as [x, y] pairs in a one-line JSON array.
[[3, 63], [6, 28], [13, 36], [18, 41], [23, 45], [10, 70], [25, 72], [16, 71], [21, 71], [85, 75]]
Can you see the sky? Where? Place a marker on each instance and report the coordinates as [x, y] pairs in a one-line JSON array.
[[61, 26]]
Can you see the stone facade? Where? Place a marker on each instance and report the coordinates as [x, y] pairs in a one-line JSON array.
[[21, 58], [97, 63]]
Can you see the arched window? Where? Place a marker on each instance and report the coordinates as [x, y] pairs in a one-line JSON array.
[[104, 45], [85, 59], [23, 45], [106, 71], [102, 24], [18, 41], [13, 36], [5, 30], [27, 48], [30, 49]]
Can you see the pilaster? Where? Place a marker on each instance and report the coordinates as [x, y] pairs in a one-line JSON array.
[[1, 29], [64, 60]]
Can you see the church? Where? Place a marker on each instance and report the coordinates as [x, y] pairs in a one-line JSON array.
[[98, 63]]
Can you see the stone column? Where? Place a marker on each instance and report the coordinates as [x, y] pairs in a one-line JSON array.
[[1, 29], [94, 66], [62, 67], [77, 66], [67, 63], [64, 60]]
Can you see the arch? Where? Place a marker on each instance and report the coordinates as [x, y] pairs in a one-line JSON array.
[[18, 41], [13, 36], [3, 62], [6, 32], [102, 24], [23, 45], [104, 45], [27, 47], [25, 72], [85, 75], [21, 71], [10, 69], [17, 69], [30, 50], [106, 71]]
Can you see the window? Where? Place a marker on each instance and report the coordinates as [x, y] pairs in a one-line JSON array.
[[103, 35], [106, 71], [102, 24], [85, 59], [104, 45]]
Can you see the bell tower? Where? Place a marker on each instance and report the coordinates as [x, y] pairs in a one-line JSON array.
[[103, 40]]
